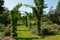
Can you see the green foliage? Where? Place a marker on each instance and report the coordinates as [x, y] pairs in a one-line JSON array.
[[0, 34], [1, 2], [7, 32], [47, 31], [4, 19], [15, 17], [49, 22], [1, 8], [28, 18], [39, 11], [15, 12], [54, 15], [58, 12], [58, 6], [44, 18], [46, 24], [0, 26]]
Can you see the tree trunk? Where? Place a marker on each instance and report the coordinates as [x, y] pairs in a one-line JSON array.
[[26, 22], [39, 25], [14, 24]]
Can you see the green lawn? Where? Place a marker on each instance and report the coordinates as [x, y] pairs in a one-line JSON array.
[[24, 32], [57, 37], [0, 34], [22, 28]]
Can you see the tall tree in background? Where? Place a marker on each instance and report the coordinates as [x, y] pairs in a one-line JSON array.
[[57, 12], [54, 15], [58, 6], [28, 19]]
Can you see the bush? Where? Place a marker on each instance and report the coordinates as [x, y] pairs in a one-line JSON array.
[[14, 34], [49, 22], [47, 31], [54, 32], [7, 32], [1, 27]]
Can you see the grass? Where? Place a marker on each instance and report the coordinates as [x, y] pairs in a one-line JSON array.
[[56, 37], [22, 28], [25, 33], [0, 34]]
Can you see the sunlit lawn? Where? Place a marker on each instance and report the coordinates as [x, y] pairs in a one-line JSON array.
[[22, 28], [57, 37], [0, 34], [25, 33]]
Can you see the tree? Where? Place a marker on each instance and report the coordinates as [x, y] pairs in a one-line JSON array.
[[4, 19], [58, 6], [54, 15], [28, 19], [57, 12], [15, 17], [1, 6], [38, 11]]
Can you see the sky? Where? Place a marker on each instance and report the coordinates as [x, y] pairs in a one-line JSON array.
[[11, 3]]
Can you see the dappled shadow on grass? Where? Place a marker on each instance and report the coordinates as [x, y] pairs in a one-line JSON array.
[[24, 34], [19, 24], [51, 37], [26, 38], [44, 36]]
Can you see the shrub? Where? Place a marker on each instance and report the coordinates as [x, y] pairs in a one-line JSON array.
[[49, 22], [54, 26], [14, 34], [1, 27], [54, 32], [7, 32], [47, 31]]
